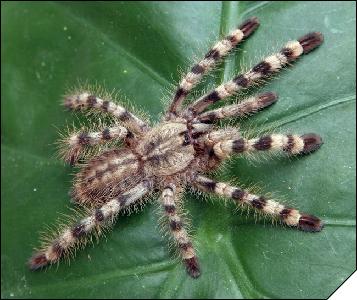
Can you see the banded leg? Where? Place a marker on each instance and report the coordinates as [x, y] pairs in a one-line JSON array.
[[290, 144], [244, 108], [71, 237], [178, 231], [289, 216], [265, 68], [219, 50], [72, 147], [87, 101]]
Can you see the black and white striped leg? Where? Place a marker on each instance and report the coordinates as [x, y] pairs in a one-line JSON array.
[[290, 144], [218, 51], [88, 101], [71, 236], [262, 70], [244, 108], [72, 147], [289, 216], [178, 231]]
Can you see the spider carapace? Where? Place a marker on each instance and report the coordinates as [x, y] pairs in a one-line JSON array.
[[176, 153]]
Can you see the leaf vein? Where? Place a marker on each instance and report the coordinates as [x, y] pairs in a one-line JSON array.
[[140, 64]]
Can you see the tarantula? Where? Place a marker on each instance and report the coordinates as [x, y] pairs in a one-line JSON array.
[[177, 152]]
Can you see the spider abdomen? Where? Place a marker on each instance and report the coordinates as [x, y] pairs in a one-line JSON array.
[[106, 176]]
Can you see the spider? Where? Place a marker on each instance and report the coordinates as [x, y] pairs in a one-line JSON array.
[[177, 153]]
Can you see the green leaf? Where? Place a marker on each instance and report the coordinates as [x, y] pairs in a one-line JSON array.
[[137, 48]]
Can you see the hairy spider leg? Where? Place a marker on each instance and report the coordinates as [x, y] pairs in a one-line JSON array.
[[71, 236], [290, 144], [262, 70], [86, 100], [73, 146], [215, 54], [179, 233], [246, 107], [289, 216]]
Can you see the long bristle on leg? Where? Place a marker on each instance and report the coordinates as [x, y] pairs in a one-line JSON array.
[[178, 231], [270, 65], [277, 143], [244, 108], [218, 51], [72, 147], [289, 216], [71, 236], [88, 101]]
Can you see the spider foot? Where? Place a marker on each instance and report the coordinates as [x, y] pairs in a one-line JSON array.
[[310, 223], [192, 267]]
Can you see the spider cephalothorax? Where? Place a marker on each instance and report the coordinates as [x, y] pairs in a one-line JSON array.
[[177, 152]]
